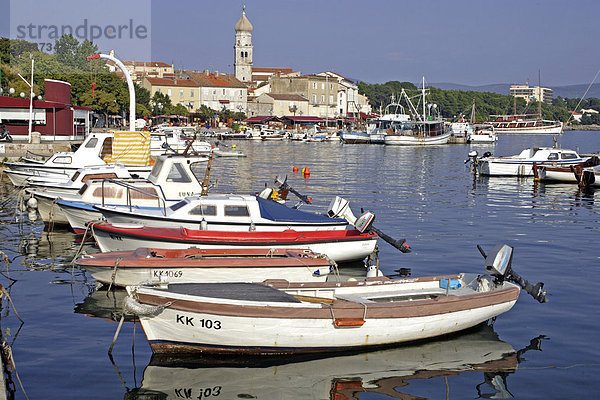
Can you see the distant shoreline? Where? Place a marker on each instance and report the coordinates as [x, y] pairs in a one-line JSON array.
[[582, 128]]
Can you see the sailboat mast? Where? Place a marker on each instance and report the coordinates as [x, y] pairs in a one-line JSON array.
[[424, 117], [540, 93]]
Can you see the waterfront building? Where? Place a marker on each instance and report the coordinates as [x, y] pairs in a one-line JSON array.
[[142, 69], [531, 93], [278, 105], [55, 118], [219, 91], [350, 103], [181, 91]]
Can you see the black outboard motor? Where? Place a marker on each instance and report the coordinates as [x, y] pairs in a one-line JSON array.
[[498, 265], [5, 134]]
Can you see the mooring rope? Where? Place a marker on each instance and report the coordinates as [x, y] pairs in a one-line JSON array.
[[114, 275], [4, 292], [130, 306], [8, 356]]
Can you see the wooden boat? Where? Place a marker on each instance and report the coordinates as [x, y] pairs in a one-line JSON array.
[[278, 317], [148, 265], [571, 173], [525, 123], [339, 245]]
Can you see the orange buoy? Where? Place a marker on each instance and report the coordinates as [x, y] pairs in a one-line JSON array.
[[306, 172], [295, 169]]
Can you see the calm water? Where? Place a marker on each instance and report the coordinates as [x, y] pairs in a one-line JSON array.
[[425, 195]]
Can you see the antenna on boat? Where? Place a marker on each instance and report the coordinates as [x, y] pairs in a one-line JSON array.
[[206, 176]]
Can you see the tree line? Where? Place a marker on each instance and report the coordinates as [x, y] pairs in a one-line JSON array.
[[454, 104], [92, 84]]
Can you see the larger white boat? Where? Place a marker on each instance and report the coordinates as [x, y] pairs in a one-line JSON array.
[[524, 163], [176, 139], [426, 128]]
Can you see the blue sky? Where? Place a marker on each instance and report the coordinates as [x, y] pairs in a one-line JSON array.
[[471, 42]]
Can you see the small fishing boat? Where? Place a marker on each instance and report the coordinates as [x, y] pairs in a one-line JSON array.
[[482, 134], [522, 164], [279, 317], [340, 245], [571, 173], [152, 265], [353, 137]]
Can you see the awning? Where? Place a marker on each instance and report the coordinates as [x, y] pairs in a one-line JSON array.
[[261, 119], [301, 119]]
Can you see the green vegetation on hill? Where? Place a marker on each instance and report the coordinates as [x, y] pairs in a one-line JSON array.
[[454, 103]]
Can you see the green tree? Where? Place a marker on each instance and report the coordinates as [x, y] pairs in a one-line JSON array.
[[161, 103], [101, 102]]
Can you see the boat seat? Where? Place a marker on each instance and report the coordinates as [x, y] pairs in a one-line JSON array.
[[232, 291], [400, 295]]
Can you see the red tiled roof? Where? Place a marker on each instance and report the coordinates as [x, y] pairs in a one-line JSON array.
[[171, 82], [272, 70], [214, 80], [288, 97]]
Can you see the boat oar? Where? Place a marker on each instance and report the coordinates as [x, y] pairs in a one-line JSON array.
[[498, 264]]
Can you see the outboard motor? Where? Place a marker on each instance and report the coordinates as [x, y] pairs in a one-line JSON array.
[[340, 208], [498, 264], [474, 161]]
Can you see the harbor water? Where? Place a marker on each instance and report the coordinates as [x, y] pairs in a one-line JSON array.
[[423, 194]]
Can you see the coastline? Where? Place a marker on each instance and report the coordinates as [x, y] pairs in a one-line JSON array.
[[582, 128]]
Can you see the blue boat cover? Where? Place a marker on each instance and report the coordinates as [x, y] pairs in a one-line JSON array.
[[280, 213]]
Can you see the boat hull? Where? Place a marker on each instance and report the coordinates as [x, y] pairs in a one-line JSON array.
[[410, 140], [146, 265], [340, 246]]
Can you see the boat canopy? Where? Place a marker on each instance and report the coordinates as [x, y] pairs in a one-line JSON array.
[[280, 213]]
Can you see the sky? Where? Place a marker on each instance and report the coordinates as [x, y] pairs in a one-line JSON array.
[[471, 42]]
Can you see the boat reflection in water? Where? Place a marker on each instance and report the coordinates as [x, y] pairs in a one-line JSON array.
[[385, 372], [104, 303]]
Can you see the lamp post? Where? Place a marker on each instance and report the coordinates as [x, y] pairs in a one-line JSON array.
[[294, 108], [31, 95]]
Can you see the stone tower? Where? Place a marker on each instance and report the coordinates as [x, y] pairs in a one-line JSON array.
[[243, 49]]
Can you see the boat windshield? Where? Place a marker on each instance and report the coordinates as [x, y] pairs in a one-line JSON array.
[[568, 156], [178, 205]]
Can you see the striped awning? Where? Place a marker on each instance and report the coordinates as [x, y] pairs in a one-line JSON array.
[[131, 148]]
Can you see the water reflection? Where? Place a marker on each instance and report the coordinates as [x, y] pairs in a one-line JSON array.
[[104, 303], [386, 372]]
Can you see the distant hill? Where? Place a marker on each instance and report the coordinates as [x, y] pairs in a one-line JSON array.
[[570, 91]]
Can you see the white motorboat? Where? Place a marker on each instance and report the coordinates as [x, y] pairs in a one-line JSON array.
[[353, 136], [482, 134], [176, 139], [584, 173], [278, 317], [223, 212], [339, 245], [128, 148], [172, 178], [79, 179], [522, 164]]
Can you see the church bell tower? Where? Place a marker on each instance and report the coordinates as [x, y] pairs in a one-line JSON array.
[[243, 49]]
